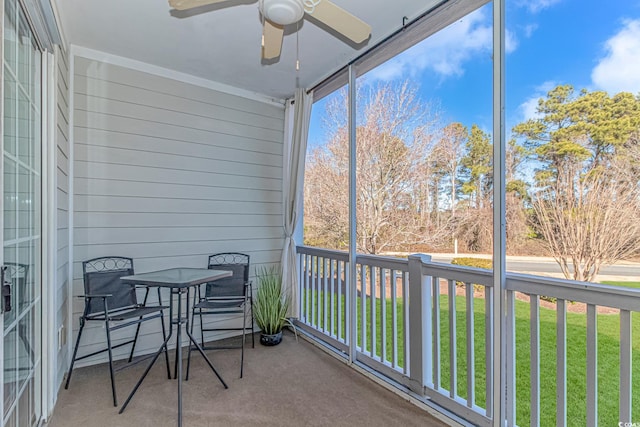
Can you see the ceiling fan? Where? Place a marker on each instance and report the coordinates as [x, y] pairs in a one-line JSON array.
[[279, 13]]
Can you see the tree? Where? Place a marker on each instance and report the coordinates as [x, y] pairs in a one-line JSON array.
[[477, 167], [519, 233], [571, 128], [390, 161], [448, 154], [581, 144], [326, 196], [596, 224], [475, 226]]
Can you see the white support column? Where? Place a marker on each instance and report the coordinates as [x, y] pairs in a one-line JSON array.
[[352, 306], [592, 365], [71, 207], [50, 342], [626, 369], [499, 213], [420, 327]]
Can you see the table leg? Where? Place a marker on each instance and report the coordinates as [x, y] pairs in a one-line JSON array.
[[165, 345], [175, 361], [178, 322], [200, 349], [193, 340], [179, 354], [155, 357]]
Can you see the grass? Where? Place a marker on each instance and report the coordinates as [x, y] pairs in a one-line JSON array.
[[319, 314], [635, 285], [608, 363], [608, 357]]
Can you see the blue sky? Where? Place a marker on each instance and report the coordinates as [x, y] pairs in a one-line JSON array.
[[589, 44]]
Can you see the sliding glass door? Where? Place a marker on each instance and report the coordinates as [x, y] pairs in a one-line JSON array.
[[21, 221]]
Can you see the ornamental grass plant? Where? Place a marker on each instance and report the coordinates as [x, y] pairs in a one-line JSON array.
[[272, 302]]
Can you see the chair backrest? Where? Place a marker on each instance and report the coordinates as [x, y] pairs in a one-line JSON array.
[[16, 271], [233, 285], [19, 276], [102, 276]]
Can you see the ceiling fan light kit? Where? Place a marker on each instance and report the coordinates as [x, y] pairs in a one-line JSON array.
[[283, 12], [279, 13]]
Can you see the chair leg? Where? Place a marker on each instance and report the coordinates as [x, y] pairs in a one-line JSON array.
[[244, 331], [253, 334], [113, 381], [201, 330], [135, 339], [75, 353]]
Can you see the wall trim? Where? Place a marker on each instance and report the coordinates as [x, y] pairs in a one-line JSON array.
[[133, 64]]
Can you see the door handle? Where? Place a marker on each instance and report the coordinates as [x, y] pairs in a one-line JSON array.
[[6, 291]]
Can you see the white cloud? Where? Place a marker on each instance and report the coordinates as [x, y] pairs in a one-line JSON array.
[[536, 6], [445, 52], [619, 69], [528, 109], [511, 41], [529, 29]]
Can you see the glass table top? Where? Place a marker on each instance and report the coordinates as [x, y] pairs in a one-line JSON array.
[[176, 277]]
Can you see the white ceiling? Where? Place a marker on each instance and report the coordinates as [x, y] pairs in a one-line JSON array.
[[222, 42]]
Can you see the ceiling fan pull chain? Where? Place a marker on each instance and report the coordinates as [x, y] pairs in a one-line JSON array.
[[310, 5], [262, 18], [298, 46]]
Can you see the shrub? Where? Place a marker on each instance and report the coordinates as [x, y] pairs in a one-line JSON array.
[[484, 263]]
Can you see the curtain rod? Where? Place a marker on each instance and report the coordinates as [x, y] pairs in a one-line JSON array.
[[404, 27]]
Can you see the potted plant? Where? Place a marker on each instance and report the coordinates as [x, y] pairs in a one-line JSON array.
[[271, 306]]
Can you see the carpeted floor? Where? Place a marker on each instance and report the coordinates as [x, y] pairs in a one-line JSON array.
[[292, 384]]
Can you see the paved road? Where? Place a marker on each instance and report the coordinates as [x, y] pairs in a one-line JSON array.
[[548, 265]]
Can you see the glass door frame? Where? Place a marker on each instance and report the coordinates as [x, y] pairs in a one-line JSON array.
[[45, 374]]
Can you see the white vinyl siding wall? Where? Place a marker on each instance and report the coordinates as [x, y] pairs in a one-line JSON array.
[[166, 172], [62, 207]]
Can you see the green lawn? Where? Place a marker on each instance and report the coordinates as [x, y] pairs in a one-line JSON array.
[[608, 358], [388, 324], [635, 285], [608, 363]]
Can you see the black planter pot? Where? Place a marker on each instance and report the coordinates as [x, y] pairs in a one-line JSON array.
[[270, 340]]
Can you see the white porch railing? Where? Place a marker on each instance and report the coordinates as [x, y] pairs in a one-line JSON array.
[[429, 326]]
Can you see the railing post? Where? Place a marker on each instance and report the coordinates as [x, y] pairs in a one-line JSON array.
[[352, 331], [420, 325], [499, 380]]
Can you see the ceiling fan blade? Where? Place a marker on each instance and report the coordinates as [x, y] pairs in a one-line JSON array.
[[190, 4], [272, 34], [342, 21]]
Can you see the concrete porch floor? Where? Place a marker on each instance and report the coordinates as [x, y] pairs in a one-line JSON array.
[[292, 384]]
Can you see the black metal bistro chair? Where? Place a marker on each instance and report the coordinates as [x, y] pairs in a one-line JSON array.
[[18, 276], [109, 300], [229, 295]]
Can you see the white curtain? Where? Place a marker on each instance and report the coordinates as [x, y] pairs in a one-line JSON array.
[[295, 150]]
